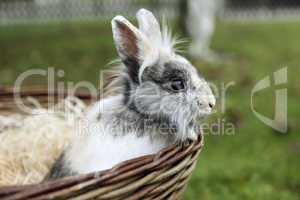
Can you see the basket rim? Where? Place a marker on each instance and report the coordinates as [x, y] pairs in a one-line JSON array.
[[148, 162]]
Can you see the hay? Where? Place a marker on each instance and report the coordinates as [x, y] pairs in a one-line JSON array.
[[30, 144]]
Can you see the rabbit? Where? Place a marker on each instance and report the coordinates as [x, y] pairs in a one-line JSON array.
[[157, 100]]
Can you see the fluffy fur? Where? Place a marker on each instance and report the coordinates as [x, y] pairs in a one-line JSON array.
[[155, 100]]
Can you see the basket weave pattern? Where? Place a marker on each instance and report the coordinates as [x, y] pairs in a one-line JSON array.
[[160, 176]]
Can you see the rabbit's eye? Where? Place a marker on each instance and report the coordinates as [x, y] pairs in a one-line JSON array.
[[177, 85]]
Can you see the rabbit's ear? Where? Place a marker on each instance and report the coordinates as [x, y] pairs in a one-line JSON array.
[[131, 44], [149, 25]]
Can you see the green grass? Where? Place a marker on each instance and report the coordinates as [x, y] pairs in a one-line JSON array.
[[254, 163], [81, 50]]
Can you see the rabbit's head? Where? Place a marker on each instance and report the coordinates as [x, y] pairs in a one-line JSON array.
[[159, 83]]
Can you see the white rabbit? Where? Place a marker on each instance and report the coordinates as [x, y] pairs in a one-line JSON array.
[[158, 101]]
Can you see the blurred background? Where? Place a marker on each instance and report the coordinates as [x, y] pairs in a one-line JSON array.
[[238, 41]]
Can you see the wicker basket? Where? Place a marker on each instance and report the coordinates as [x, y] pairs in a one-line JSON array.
[[161, 176]]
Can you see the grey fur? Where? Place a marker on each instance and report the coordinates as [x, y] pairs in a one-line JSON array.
[[59, 169]]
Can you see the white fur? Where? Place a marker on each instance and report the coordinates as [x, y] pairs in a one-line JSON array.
[[96, 147], [149, 26], [104, 152]]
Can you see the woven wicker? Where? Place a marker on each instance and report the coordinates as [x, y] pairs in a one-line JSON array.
[[160, 176]]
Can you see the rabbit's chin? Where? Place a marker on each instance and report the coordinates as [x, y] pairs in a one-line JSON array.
[[189, 132], [192, 135], [194, 129]]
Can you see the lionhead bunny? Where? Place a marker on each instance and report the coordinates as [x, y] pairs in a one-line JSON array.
[[157, 101]]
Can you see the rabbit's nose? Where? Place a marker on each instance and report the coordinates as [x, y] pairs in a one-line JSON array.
[[205, 104], [212, 103]]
